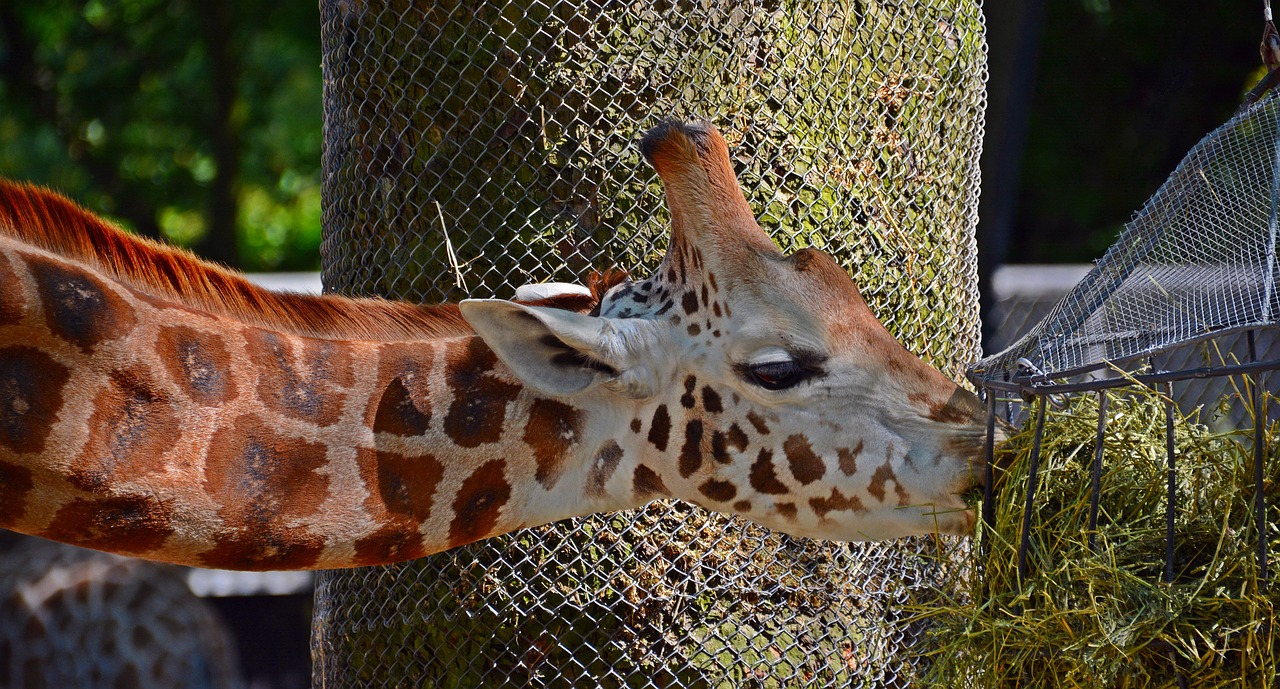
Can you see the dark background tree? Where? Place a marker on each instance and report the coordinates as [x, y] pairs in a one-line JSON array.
[[1091, 105], [191, 120], [1111, 95]]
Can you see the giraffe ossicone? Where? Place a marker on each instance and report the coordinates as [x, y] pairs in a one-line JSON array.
[[158, 406]]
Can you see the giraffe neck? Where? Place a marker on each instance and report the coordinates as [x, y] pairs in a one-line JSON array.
[[144, 426]]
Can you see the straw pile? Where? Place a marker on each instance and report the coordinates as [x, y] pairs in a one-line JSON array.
[[1105, 618]]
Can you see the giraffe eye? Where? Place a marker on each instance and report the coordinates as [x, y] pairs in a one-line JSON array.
[[778, 375]]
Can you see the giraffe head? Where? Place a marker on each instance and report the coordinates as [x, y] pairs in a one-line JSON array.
[[747, 381]]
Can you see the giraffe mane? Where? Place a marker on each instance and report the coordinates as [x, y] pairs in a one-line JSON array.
[[51, 222]]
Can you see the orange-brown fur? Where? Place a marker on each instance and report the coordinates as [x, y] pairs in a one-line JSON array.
[[51, 222], [194, 417]]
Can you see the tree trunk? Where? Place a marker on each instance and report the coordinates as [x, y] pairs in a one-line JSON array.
[[470, 149], [219, 242]]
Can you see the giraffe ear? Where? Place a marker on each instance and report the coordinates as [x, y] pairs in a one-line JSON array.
[[555, 351]]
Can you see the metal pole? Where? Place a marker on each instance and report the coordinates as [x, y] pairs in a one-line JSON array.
[[1259, 499], [1095, 490], [1171, 473], [1025, 544]]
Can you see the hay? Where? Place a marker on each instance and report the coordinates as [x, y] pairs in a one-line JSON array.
[[1105, 618]]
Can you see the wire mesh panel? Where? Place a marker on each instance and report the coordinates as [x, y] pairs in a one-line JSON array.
[[471, 149], [1024, 295], [1197, 262]]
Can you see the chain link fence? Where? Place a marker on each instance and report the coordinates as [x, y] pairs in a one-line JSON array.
[[471, 149]]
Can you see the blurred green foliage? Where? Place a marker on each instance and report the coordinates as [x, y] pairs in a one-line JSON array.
[[112, 102], [196, 122]]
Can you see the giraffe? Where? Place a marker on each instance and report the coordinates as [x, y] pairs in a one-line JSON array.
[[157, 406], [72, 618]]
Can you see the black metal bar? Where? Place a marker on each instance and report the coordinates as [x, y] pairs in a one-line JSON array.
[[977, 375], [1169, 509], [1025, 543], [1259, 498], [988, 507], [1095, 489], [1149, 379]]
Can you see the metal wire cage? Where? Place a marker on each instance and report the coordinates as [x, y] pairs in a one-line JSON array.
[[1186, 296], [470, 149]]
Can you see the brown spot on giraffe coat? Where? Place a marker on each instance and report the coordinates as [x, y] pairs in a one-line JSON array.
[[720, 491], [130, 524], [737, 438], [646, 483], [602, 467], [198, 362], [303, 384], [849, 458], [130, 430], [15, 483], [805, 465], [687, 400], [400, 485], [660, 428], [479, 408], [720, 448], [836, 502], [711, 400], [401, 496], [883, 474], [292, 549], [77, 306], [399, 413], [478, 504], [552, 430], [691, 451], [262, 479], [404, 405], [763, 477], [31, 387]]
